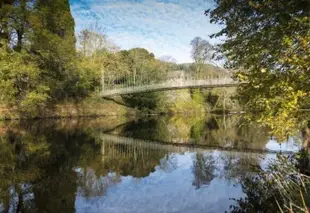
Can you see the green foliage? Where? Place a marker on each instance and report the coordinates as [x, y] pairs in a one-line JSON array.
[[268, 42], [34, 101], [145, 66], [38, 61], [16, 150], [20, 83], [278, 188], [37, 54], [147, 101], [197, 96], [53, 41], [34, 154], [197, 130]]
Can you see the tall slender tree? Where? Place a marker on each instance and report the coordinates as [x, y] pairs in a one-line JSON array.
[[202, 52], [54, 43]]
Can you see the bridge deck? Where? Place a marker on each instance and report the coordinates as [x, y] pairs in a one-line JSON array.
[[171, 85]]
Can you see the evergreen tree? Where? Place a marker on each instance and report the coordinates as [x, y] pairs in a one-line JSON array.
[[54, 44]]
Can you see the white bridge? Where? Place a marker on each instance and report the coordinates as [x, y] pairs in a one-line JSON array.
[[172, 84]]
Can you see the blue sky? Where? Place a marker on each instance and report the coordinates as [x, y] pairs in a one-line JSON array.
[[164, 27]]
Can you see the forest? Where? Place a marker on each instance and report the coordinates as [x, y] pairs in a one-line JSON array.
[[43, 62]]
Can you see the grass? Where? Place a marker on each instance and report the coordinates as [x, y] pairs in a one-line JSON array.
[[292, 207]]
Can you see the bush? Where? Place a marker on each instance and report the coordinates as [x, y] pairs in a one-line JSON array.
[[34, 102]]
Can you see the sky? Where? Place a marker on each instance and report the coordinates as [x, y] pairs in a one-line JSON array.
[[163, 27]]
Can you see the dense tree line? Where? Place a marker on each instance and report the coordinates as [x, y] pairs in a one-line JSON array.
[[268, 42], [37, 55], [39, 61]]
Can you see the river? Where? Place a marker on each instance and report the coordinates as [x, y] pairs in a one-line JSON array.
[[111, 165]]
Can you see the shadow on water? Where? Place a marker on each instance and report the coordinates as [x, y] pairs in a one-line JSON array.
[[66, 165]]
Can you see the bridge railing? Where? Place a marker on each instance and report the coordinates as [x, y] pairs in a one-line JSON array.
[[185, 82], [122, 81]]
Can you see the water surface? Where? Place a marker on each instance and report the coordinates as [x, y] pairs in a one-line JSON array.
[[155, 164]]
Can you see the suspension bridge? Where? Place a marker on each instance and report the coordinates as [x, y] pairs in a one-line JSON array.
[[129, 84]]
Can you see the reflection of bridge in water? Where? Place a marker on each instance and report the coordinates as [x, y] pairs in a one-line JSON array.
[[175, 147], [123, 156], [125, 85], [138, 158]]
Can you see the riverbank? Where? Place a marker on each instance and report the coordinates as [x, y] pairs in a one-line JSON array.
[[70, 109], [184, 101]]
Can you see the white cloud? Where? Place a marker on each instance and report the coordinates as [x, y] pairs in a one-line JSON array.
[[161, 26]]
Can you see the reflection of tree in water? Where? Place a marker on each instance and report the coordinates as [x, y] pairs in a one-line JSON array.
[[117, 160], [232, 131], [20, 155], [125, 159], [147, 129], [176, 129], [203, 169], [236, 167], [230, 166], [279, 185], [55, 192], [197, 131], [91, 185], [222, 131], [36, 169], [169, 162]]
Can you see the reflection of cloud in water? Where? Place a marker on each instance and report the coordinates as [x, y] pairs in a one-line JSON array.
[[287, 146], [170, 187]]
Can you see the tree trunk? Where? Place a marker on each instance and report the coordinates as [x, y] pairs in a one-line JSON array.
[[134, 75], [19, 45], [21, 30], [304, 161], [306, 138]]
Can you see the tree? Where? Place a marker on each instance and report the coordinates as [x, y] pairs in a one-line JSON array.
[[20, 75], [15, 23], [268, 42], [141, 57], [93, 47], [38, 60], [92, 42], [20, 20], [19, 72], [20, 83], [5, 9], [202, 52], [203, 170], [54, 46]]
